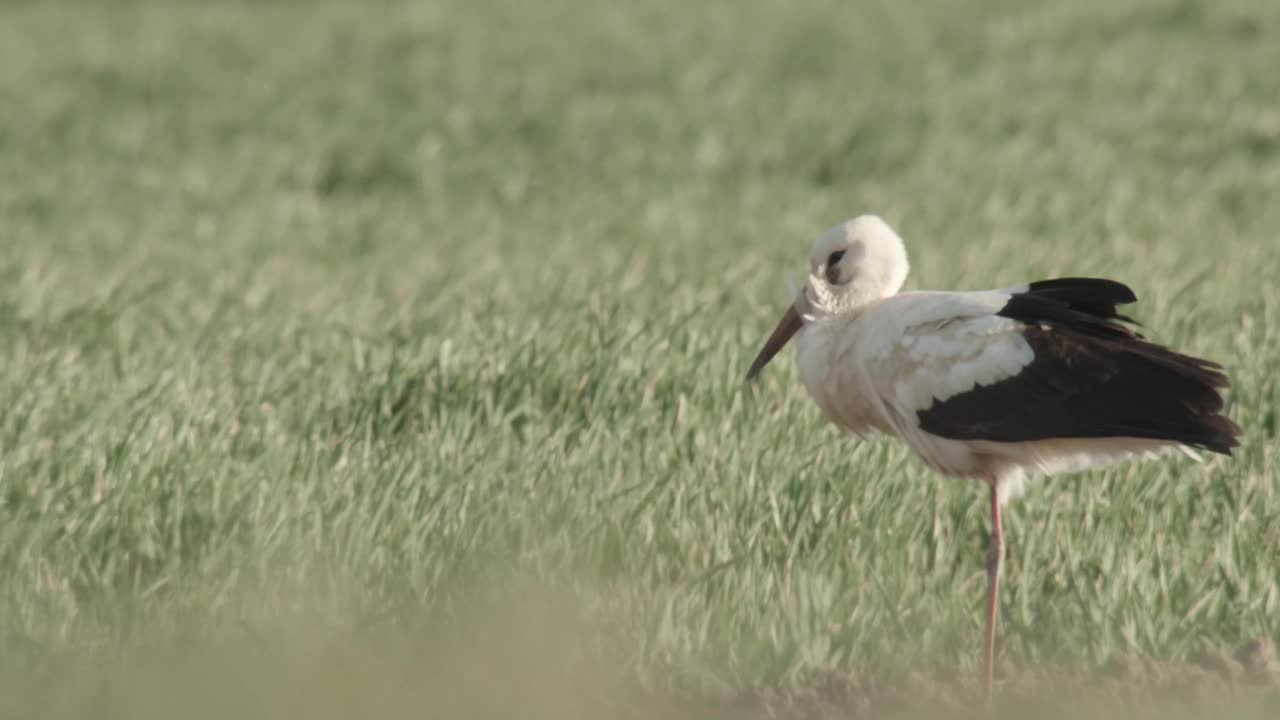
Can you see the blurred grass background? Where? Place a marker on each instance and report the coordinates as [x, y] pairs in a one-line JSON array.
[[332, 322]]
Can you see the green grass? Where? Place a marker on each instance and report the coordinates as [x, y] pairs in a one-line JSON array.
[[332, 323]]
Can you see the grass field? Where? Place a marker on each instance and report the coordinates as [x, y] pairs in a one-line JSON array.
[[388, 359]]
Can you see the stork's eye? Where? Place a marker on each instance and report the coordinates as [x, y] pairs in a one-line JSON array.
[[833, 271]]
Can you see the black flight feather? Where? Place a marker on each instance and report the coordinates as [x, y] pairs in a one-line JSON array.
[[1091, 377]]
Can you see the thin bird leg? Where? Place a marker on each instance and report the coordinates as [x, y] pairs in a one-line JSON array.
[[995, 555]]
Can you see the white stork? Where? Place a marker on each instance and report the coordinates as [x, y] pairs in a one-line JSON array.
[[993, 385]]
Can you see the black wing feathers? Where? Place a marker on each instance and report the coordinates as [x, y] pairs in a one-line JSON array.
[[1091, 295], [1092, 377], [1088, 304]]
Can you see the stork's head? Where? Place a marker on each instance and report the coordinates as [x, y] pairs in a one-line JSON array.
[[854, 263]]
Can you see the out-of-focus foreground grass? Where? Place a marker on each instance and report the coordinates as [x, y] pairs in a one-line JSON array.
[[323, 325]]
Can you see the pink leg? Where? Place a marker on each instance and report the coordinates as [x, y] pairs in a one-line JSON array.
[[995, 555]]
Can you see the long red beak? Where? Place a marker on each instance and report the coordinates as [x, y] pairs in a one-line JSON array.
[[790, 323]]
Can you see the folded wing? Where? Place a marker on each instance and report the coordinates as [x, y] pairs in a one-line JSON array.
[[1054, 361]]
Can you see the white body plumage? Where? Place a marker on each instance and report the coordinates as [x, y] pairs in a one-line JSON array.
[[871, 372]]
